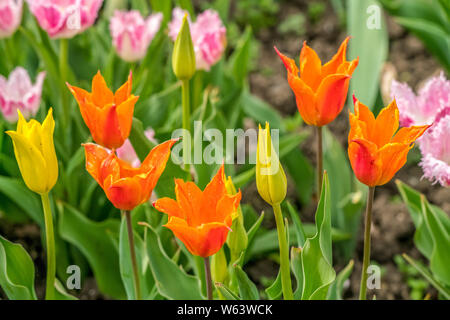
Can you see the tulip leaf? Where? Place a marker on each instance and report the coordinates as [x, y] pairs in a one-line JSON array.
[[316, 257], [367, 27], [297, 270], [247, 289], [16, 271], [298, 226], [98, 241], [302, 172], [275, 291], [61, 293], [171, 281], [260, 110], [335, 292], [239, 62]]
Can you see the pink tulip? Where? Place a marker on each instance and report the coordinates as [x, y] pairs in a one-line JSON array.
[[132, 34], [208, 36], [127, 153], [65, 18], [17, 92], [10, 16], [431, 105]]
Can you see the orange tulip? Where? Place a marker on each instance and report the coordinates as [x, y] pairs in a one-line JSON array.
[[125, 186], [108, 116], [320, 90], [375, 150], [200, 219]]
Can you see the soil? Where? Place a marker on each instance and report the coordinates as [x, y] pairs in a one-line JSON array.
[[392, 227]]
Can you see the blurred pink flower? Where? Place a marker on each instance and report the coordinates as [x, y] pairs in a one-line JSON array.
[[132, 34], [126, 151], [17, 92], [10, 16], [431, 105], [65, 18], [208, 36]]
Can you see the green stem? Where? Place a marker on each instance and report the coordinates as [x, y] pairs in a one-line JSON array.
[[284, 254], [366, 259], [319, 161], [137, 285], [50, 238], [63, 64], [186, 123], [208, 278]]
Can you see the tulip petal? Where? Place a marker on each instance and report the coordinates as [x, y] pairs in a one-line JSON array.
[[108, 129], [305, 99], [169, 207], [386, 125], [124, 194], [87, 109], [364, 162], [393, 156], [101, 94], [122, 94], [31, 163], [331, 96], [338, 59], [125, 112], [310, 67], [408, 135], [95, 156], [226, 207], [289, 63], [213, 192], [189, 198], [48, 149]]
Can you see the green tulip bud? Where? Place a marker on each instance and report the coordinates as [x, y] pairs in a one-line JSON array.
[[183, 56]]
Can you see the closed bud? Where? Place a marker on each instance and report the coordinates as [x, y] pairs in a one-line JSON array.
[[183, 56], [219, 267], [270, 177]]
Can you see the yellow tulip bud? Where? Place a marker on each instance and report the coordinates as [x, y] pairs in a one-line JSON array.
[[183, 56], [270, 177], [219, 267], [237, 240], [35, 152]]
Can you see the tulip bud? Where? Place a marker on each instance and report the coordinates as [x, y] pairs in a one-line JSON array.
[[237, 240], [219, 268], [270, 177], [35, 152], [183, 56]]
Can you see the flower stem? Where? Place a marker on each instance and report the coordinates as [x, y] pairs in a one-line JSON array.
[[284, 254], [137, 286], [208, 278], [50, 238], [63, 62], [186, 123], [366, 259], [319, 161]]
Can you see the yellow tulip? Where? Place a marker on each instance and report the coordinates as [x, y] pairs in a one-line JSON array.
[[183, 56], [270, 177], [35, 152]]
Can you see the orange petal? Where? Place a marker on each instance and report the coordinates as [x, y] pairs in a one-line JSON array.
[[124, 91], [386, 125], [226, 206], [169, 207], [366, 116], [365, 164], [101, 94], [202, 241], [125, 113], [288, 63], [331, 96], [305, 99], [83, 98], [310, 67], [95, 155], [410, 134], [189, 198], [393, 156], [124, 194], [338, 59]]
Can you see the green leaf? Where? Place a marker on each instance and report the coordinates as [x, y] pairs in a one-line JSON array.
[[16, 271], [61, 293], [98, 241], [247, 289], [370, 44], [335, 292], [428, 276], [298, 226], [239, 62], [297, 270], [171, 281], [261, 111], [275, 291], [316, 257]]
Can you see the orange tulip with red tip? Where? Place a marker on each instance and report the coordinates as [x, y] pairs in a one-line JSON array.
[[200, 219], [320, 90], [375, 148], [108, 115], [125, 186]]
